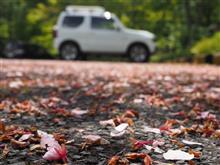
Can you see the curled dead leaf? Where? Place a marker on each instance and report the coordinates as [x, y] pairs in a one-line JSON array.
[[2, 126], [114, 160], [18, 144], [147, 160], [5, 151], [196, 154], [134, 156]]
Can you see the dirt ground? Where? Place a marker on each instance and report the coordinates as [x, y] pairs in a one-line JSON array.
[[71, 100]]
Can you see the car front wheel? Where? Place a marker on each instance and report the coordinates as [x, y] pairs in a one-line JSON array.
[[138, 53], [69, 51]]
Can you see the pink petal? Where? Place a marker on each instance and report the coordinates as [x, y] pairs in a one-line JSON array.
[[51, 155]]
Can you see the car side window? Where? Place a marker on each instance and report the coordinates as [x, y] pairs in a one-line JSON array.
[[72, 21], [102, 23]]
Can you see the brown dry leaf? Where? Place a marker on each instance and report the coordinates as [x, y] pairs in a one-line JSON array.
[[130, 113], [196, 154], [147, 160], [5, 151], [134, 156], [34, 147], [217, 133], [4, 138], [18, 144], [114, 160], [191, 162], [2, 106], [2, 126]]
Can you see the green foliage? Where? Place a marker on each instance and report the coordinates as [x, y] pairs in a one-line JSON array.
[[208, 45]]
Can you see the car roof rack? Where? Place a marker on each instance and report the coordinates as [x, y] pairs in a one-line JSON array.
[[85, 9]]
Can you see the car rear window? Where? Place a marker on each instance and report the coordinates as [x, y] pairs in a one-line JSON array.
[[72, 21]]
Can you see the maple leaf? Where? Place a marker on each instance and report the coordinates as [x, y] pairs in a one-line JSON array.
[[114, 160], [56, 153], [168, 125]]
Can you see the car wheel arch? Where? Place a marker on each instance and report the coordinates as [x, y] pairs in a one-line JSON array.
[[137, 43], [68, 42]]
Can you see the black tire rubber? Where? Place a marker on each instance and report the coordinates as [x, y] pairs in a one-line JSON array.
[[147, 53], [75, 46]]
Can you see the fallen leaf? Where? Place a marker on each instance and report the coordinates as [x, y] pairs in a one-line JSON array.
[[153, 130], [56, 153], [121, 127], [114, 160], [18, 144], [5, 151], [107, 122], [134, 156], [119, 130], [191, 143], [147, 160], [2, 126], [177, 155], [137, 144], [77, 112], [34, 147], [25, 137], [196, 154]]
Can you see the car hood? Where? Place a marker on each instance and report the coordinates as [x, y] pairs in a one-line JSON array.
[[143, 33]]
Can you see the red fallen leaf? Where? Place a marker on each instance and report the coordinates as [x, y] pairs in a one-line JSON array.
[[208, 129], [2, 126], [61, 112], [134, 156], [137, 144], [118, 120], [168, 125], [146, 157], [56, 153], [196, 154], [114, 160], [147, 160], [130, 113], [18, 144]]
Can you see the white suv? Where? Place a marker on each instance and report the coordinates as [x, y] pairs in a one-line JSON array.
[[81, 30]]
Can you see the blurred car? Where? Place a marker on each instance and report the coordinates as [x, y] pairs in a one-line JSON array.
[[83, 30], [18, 49]]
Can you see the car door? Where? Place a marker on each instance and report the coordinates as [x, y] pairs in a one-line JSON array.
[[105, 36]]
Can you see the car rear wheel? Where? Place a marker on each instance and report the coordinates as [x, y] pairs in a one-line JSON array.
[[70, 51], [138, 53]]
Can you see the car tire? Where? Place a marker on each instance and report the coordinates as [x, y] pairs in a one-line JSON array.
[[138, 53], [70, 51]]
